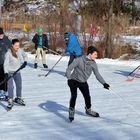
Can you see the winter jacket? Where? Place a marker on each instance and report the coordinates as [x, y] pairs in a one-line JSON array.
[[82, 68], [11, 64], [36, 40], [5, 44], [73, 46]]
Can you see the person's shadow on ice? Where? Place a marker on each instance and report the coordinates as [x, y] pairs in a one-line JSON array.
[[56, 108]]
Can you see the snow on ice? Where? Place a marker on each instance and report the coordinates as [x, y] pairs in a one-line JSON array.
[[45, 117]]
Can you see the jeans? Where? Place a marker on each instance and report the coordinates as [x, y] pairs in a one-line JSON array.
[[18, 82], [2, 77], [84, 88]]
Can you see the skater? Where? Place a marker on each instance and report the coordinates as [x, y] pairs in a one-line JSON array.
[[13, 59], [41, 44], [5, 44], [72, 47], [92, 31], [82, 68]]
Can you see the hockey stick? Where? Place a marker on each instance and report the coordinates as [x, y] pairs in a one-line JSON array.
[[131, 79], [51, 50], [51, 68], [5, 80], [128, 104], [133, 70]]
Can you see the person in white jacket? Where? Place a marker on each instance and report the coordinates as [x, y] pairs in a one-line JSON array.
[[15, 58]]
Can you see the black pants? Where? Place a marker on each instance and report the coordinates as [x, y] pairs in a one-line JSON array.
[[2, 76], [72, 57], [84, 90]]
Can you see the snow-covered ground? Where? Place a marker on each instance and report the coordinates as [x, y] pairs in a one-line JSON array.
[[134, 40], [45, 117]]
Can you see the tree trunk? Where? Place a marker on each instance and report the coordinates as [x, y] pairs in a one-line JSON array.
[[133, 13], [61, 22], [108, 51], [0, 11]]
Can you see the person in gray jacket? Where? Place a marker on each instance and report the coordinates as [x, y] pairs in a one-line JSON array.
[[13, 61], [78, 73]]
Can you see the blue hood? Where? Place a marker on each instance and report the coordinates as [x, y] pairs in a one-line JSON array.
[[73, 46]]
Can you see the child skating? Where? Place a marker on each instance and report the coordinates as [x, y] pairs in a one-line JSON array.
[[15, 58]]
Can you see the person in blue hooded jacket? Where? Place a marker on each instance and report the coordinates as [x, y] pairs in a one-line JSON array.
[[72, 47]]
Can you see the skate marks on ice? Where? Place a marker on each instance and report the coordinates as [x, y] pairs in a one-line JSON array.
[[3, 105], [43, 71], [119, 122], [62, 73]]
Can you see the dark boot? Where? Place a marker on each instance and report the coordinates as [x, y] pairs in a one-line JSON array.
[[71, 114], [35, 65], [45, 66], [10, 104], [19, 101], [91, 112]]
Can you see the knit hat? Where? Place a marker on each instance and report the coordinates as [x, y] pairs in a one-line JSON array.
[[91, 49], [66, 35], [1, 31], [39, 30]]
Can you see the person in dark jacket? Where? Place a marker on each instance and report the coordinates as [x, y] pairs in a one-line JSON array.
[[78, 73], [72, 47], [41, 44], [5, 44]]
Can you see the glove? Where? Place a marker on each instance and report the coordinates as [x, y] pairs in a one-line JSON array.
[[6, 75], [23, 65], [106, 86], [44, 48]]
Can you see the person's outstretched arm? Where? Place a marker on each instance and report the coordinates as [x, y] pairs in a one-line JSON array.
[[97, 74], [99, 77]]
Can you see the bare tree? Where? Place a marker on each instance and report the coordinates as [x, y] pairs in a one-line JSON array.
[[0, 11], [109, 32]]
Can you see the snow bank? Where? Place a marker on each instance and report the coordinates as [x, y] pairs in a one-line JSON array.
[[105, 61]]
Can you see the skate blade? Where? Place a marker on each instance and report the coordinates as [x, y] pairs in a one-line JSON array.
[[19, 104], [9, 109], [71, 119], [41, 75], [97, 116]]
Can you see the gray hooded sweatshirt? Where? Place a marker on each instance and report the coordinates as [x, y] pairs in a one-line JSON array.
[[11, 64], [81, 69]]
